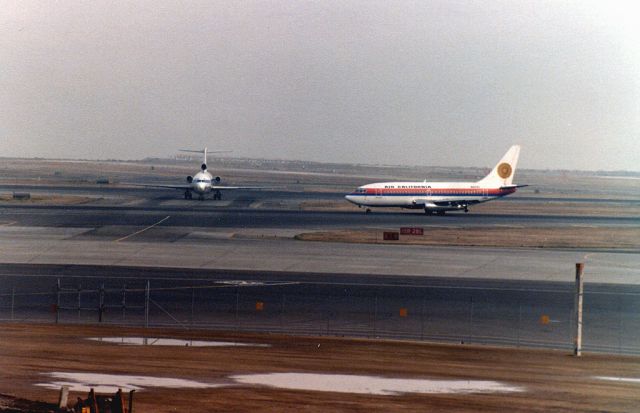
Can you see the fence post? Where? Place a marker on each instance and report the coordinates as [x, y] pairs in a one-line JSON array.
[[100, 303], [237, 309], [146, 304], [193, 304], [375, 315], [577, 351], [79, 303], [58, 301], [519, 324], [124, 301], [422, 315], [13, 300], [282, 312], [470, 319]]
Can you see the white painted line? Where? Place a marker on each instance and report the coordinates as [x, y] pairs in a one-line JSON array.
[[144, 229], [6, 224]]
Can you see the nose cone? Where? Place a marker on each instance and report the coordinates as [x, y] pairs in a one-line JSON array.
[[350, 198], [201, 187]]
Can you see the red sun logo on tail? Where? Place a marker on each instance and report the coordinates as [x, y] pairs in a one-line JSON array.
[[504, 170]]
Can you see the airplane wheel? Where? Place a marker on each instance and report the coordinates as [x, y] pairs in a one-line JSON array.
[[466, 210], [440, 213], [187, 195], [367, 211], [427, 212]]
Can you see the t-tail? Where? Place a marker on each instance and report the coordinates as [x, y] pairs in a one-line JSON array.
[[501, 176]]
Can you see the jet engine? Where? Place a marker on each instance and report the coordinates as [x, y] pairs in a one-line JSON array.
[[217, 179], [189, 178], [203, 166]]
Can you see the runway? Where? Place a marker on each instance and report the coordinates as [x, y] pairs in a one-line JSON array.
[[238, 213]]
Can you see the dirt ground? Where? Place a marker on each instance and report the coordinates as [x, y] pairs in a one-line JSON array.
[[507, 237], [37, 199], [552, 381]]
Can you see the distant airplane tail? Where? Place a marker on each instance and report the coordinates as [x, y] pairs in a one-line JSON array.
[[203, 151], [502, 173]]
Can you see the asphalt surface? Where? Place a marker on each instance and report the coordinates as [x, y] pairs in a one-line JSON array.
[[531, 313], [236, 213]]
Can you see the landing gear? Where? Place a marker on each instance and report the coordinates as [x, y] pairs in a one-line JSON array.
[[367, 211], [466, 209], [187, 194], [428, 211], [441, 213], [217, 195]]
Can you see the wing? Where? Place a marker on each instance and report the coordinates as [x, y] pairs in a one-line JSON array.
[[224, 187], [183, 187]]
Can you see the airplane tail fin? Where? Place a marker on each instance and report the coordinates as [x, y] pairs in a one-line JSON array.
[[203, 151], [502, 174]]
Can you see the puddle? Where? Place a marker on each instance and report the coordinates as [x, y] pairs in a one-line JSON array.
[[343, 383], [620, 379], [154, 341], [110, 383]]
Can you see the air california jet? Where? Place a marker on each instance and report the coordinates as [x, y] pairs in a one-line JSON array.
[[201, 183], [439, 197]]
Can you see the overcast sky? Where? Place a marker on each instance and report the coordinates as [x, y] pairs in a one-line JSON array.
[[392, 82]]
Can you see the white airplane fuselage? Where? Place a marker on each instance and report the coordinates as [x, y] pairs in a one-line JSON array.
[[201, 183], [441, 196], [434, 196]]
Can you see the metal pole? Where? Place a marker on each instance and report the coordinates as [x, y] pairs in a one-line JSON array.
[[58, 301], [282, 312], [578, 309], [79, 291], [422, 314], [237, 309], [519, 324], [13, 301], [193, 301], [124, 301], [375, 314], [471, 318], [146, 304], [100, 303]]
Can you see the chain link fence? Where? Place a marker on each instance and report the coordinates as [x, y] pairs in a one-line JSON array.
[[533, 317]]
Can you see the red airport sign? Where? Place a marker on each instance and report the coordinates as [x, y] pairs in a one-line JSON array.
[[411, 231], [390, 236]]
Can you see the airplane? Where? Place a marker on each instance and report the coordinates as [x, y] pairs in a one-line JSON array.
[[439, 197], [202, 182]]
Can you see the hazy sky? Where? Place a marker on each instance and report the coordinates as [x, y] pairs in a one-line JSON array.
[[394, 82]]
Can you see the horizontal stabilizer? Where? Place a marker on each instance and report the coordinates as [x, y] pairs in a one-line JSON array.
[[512, 186]]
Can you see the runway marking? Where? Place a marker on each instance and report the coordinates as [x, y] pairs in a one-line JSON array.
[[144, 229], [6, 224]]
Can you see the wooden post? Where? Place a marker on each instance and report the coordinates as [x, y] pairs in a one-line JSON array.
[[577, 351], [64, 397]]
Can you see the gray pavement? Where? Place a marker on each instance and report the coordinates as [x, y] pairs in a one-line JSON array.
[[197, 248]]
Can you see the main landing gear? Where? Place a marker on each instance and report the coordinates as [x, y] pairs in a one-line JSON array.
[[367, 211], [187, 194], [217, 195]]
